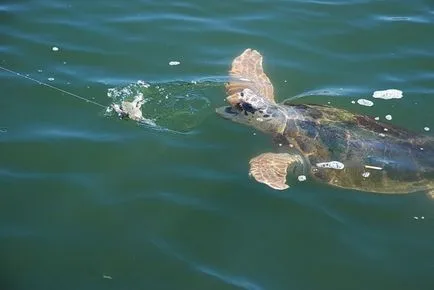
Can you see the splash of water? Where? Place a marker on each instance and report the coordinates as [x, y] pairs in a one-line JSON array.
[[173, 106]]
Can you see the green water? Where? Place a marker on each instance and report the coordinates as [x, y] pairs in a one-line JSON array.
[[88, 201]]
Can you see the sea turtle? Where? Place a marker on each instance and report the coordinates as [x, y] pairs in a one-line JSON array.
[[130, 109], [325, 143]]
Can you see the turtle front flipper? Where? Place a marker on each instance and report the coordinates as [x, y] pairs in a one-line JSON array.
[[247, 72], [271, 168]]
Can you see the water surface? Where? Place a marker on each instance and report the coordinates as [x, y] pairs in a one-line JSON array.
[[89, 201]]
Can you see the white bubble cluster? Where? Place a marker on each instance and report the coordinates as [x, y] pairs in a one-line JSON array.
[[388, 117], [143, 84], [366, 174], [365, 102], [416, 217], [174, 62], [331, 164], [388, 94], [302, 178]]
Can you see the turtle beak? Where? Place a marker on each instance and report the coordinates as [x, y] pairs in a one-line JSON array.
[[230, 112], [227, 112]]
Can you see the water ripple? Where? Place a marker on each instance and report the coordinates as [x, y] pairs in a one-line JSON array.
[[238, 281], [64, 134]]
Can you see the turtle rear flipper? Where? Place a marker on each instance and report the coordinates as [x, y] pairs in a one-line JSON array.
[[271, 168]]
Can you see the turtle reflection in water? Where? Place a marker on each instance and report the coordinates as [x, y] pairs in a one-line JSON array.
[[328, 144]]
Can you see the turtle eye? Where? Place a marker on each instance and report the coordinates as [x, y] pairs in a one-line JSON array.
[[242, 94]]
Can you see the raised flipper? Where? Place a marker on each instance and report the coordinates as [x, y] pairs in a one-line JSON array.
[[247, 73], [271, 168]]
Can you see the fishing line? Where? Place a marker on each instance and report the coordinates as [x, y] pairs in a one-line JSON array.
[[53, 87]]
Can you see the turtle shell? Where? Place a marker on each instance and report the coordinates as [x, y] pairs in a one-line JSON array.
[[376, 157]]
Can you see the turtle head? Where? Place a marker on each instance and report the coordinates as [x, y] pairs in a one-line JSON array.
[[246, 107]]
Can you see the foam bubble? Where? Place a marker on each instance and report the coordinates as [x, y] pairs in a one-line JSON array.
[[174, 62], [302, 178], [364, 102], [331, 164], [143, 84], [388, 94], [388, 117], [366, 174]]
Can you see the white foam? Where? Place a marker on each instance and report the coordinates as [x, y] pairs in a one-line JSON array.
[[365, 102], [55, 48], [174, 62], [388, 94], [426, 129], [143, 84], [51, 79], [302, 178], [388, 117], [331, 164], [373, 167], [421, 217], [366, 174]]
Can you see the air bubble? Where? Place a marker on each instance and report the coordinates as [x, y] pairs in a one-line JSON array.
[[302, 178], [364, 102]]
